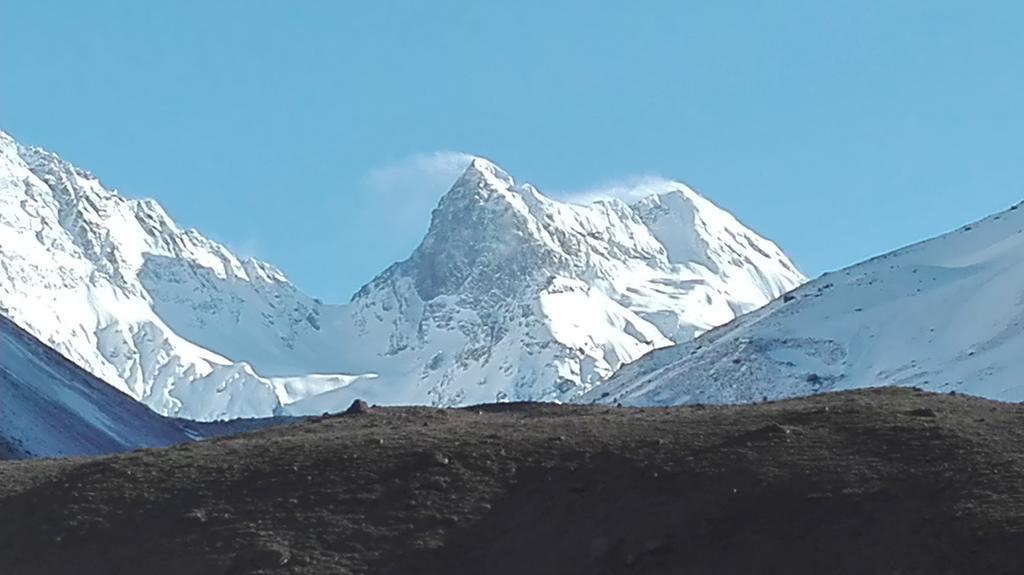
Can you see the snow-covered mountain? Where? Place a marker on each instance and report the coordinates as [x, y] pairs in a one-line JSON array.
[[116, 286], [946, 314], [511, 295], [51, 407]]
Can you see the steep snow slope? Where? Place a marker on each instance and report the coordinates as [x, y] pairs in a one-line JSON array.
[[512, 295], [946, 314], [113, 284], [51, 407]]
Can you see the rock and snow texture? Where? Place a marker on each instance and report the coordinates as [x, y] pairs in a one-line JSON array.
[[513, 295], [50, 407], [946, 314], [510, 296], [113, 284]]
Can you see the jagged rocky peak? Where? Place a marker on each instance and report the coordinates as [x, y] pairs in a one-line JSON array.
[[482, 232], [487, 226], [483, 177], [512, 294]]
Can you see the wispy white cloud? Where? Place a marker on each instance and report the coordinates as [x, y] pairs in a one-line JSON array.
[[411, 185], [243, 248], [431, 173], [627, 189], [247, 248], [398, 198]]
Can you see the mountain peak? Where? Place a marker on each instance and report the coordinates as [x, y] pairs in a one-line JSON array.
[[673, 198], [480, 198], [515, 295], [483, 171], [481, 180]]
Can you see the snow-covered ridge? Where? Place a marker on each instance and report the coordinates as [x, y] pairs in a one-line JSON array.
[[116, 286], [511, 295], [946, 314]]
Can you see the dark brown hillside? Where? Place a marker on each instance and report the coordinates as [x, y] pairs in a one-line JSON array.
[[875, 481]]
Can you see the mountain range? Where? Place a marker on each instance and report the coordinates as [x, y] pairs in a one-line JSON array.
[[106, 302], [511, 295]]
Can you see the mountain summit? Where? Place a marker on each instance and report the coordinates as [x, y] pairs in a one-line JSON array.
[[511, 295], [514, 295]]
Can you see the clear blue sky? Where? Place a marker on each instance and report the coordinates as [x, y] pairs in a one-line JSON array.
[[285, 129]]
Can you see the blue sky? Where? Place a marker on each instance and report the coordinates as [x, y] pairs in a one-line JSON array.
[[318, 134]]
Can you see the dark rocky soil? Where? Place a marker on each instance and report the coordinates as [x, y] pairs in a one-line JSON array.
[[879, 481]]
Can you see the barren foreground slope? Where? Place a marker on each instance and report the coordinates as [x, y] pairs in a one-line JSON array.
[[875, 481]]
